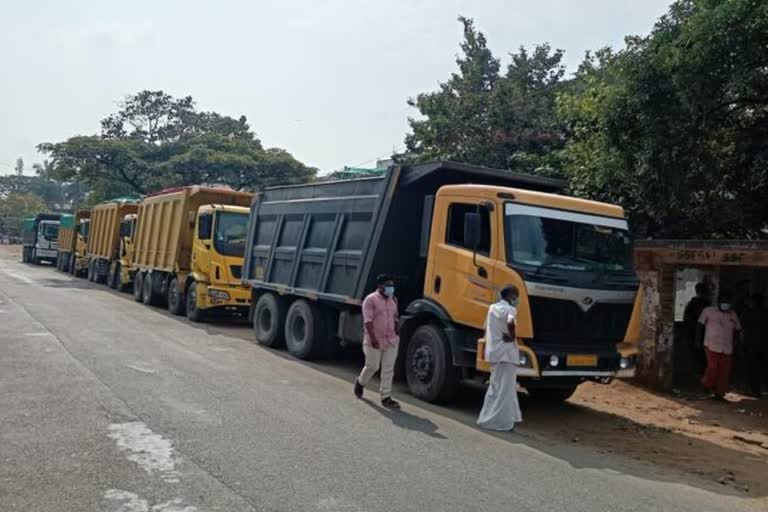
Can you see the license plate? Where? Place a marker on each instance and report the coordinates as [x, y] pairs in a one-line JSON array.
[[581, 360]]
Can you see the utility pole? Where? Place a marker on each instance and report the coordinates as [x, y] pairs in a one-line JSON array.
[[20, 166]]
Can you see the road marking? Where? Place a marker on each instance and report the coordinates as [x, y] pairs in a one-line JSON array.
[[141, 369], [14, 275], [152, 452], [33, 334], [131, 502]]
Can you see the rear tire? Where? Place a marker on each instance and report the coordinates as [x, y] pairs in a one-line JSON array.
[[148, 293], [429, 367], [554, 395], [194, 313], [269, 320], [175, 298], [113, 276], [138, 287], [72, 266], [91, 270], [305, 330]]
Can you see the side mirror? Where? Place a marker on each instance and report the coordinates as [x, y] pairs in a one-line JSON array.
[[472, 229]]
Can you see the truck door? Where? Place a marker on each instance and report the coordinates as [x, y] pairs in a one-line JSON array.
[[201, 246], [460, 279]]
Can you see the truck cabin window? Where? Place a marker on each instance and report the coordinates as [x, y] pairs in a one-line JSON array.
[[49, 231], [556, 242], [125, 229], [231, 233], [204, 226], [455, 233], [84, 228]]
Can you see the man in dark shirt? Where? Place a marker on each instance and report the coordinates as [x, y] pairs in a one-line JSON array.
[[754, 322], [690, 321]]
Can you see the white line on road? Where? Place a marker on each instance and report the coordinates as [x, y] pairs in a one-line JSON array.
[[141, 368], [131, 502], [152, 452], [33, 334], [14, 275]]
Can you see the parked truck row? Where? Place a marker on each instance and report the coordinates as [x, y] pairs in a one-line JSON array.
[[299, 260]]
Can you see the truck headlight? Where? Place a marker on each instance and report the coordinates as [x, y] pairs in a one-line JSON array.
[[626, 362], [554, 360], [524, 361], [218, 294]]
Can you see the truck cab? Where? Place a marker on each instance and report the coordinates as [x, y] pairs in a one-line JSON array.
[[41, 234], [81, 244], [218, 249], [120, 276], [570, 259]]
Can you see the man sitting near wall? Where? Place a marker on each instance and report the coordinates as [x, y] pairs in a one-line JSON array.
[[718, 327]]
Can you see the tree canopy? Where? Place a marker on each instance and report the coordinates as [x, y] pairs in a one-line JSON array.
[[484, 117], [155, 141], [674, 126]]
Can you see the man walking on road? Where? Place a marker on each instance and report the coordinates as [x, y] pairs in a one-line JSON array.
[[718, 327], [380, 339], [501, 409]]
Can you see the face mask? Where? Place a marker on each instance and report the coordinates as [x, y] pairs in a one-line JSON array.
[[724, 306], [513, 302], [389, 291]]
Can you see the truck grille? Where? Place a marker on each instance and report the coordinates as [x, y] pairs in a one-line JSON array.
[[236, 271], [562, 322]]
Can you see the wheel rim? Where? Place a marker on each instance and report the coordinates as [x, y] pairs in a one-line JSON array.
[[299, 329], [173, 298], [265, 320], [423, 364]]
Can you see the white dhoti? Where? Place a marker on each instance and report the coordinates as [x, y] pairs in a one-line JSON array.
[[501, 409]]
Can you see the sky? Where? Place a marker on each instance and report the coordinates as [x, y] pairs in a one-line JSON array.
[[328, 80]]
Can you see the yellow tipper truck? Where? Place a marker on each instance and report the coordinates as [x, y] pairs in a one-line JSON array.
[[188, 251], [71, 243], [103, 250], [452, 235]]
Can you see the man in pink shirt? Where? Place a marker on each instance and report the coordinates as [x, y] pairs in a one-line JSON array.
[[380, 339], [718, 326]]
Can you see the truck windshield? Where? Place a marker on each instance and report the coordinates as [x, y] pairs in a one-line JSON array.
[[50, 231], [550, 238], [84, 228], [231, 232]]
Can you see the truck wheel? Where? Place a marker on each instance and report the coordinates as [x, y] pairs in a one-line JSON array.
[[148, 293], [552, 394], [138, 287], [111, 276], [72, 266], [304, 330], [175, 298], [91, 271], [269, 320], [429, 369], [194, 313]]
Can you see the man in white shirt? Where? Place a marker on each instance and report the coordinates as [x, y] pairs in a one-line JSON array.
[[501, 409]]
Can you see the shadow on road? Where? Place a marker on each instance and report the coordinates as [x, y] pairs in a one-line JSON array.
[[577, 434], [406, 420]]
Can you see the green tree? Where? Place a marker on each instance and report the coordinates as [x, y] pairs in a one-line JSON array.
[[155, 141], [482, 117], [14, 207], [674, 125]]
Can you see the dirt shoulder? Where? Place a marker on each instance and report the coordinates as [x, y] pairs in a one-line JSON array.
[[726, 443]]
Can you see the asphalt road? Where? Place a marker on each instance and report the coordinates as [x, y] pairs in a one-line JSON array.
[[108, 405]]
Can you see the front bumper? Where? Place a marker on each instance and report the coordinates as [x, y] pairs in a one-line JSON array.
[[224, 296]]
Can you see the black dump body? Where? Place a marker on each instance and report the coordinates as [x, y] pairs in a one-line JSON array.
[[329, 240]]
